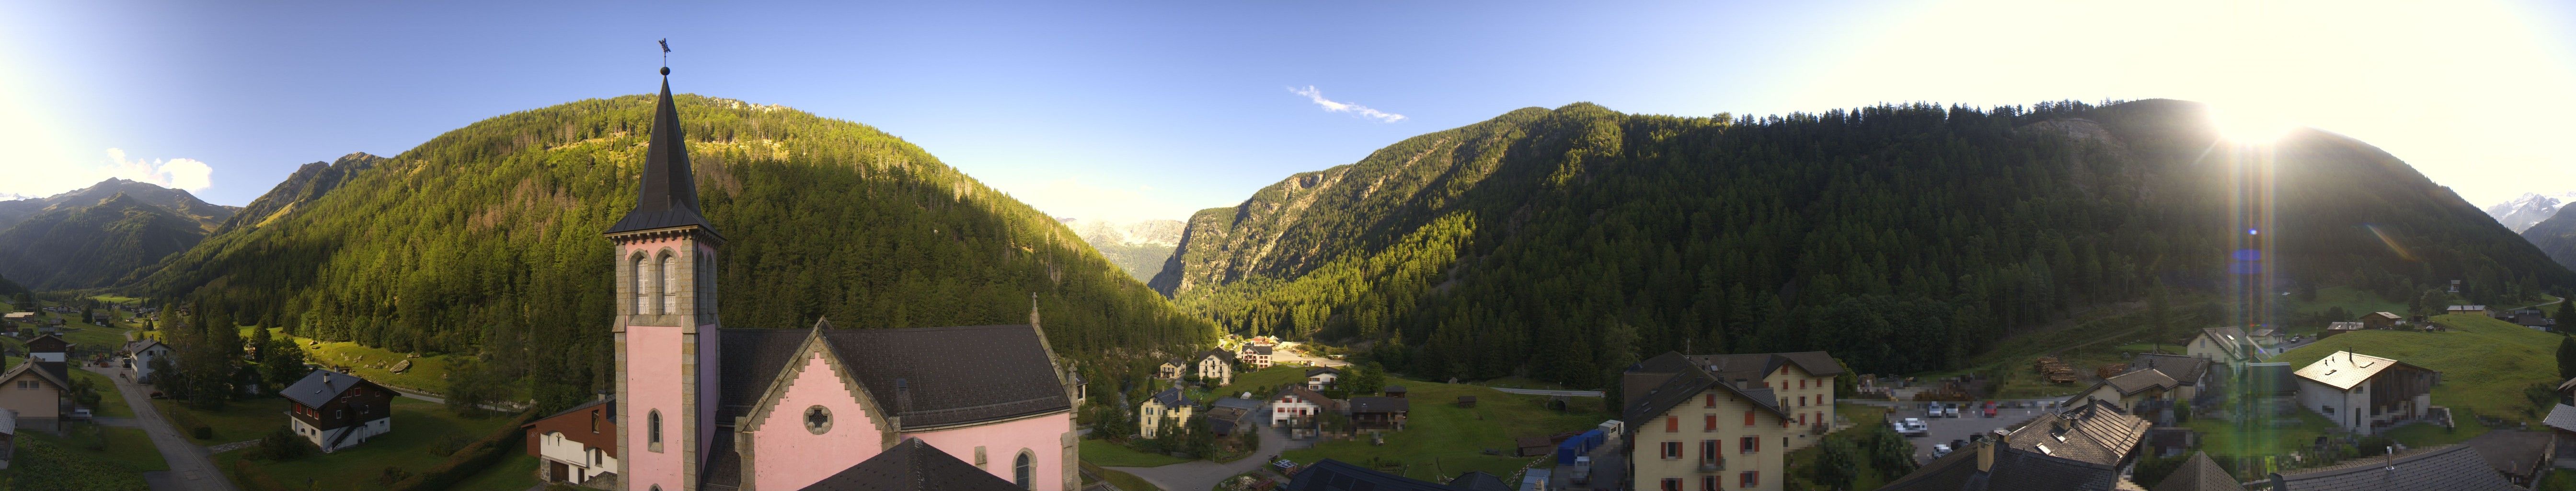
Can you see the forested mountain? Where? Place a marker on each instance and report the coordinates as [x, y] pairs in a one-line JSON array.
[[487, 240], [2521, 213], [1139, 246], [308, 183], [2556, 236], [1562, 243], [177, 201], [71, 243]]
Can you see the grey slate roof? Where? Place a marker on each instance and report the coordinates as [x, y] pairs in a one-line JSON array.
[[1237, 403], [669, 194], [2199, 474], [2446, 468], [1379, 405], [1258, 349], [912, 466], [2096, 433], [1169, 398], [2014, 470], [1688, 383], [320, 386], [2186, 370], [1310, 372], [2140, 381], [1335, 475], [1219, 354], [954, 375], [2562, 417], [1748, 366]]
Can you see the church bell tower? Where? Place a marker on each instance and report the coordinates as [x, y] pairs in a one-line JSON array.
[[666, 333]]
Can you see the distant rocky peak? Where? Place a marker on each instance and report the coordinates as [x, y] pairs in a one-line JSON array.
[[2522, 212]]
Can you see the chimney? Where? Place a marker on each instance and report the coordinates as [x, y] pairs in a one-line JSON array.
[[1986, 452], [902, 396]]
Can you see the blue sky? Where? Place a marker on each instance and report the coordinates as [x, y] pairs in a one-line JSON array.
[[1151, 110]]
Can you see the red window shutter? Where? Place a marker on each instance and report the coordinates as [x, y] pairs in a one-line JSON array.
[[1711, 420], [1748, 418], [1672, 424], [1751, 479], [1672, 484], [1708, 483], [1708, 400]]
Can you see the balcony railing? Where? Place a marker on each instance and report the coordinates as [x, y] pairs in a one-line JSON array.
[[1712, 465]]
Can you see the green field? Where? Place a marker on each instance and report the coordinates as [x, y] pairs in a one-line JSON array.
[[129, 448], [1441, 440], [2354, 301], [241, 420], [1260, 383], [2223, 439], [111, 402], [516, 471], [1124, 481], [417, 424], [427, 373], [1114, 455], [2485, 363]]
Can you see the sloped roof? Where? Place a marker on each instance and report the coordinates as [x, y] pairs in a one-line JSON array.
[[610, 414], [2186, 370], [1237, 403], [668, 197], [2199, 474], [2140, 381], [1168, 397], [912, 466], [2097, 432], [1953, 472], [1380, 405], [1689, 383], [2229, 339], [2562, 417], [2446, 468], [133, 347], [1257, 349], [1478, 481], [1392, 389], [1335, 475], [954, 375], [1310, 372], [320, 386], [1218, 354], [2344, 369], [1300, 392]]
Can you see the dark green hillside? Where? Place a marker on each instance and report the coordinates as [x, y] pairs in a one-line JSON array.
[[308, 183], [71, 246], [2556, 237], [487, 239], [1561, 243]]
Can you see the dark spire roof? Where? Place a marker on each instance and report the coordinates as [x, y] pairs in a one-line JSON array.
[[669, 196]]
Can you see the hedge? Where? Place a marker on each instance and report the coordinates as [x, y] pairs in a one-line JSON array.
[[471, 460]]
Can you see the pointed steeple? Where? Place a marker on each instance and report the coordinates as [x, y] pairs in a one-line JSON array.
[[669, 195]]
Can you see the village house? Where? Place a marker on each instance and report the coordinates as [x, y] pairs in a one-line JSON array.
[[1802, 383], [1230, 414], [2364, 393], [1322, 378], [1695, 431], [2443, 468], [1297, 407], [337, 410], [39, 393], [2334, 328], [707, 406], [20, 318], [2130, 391], [2465, 309], [578, 445], [2225, 345], [1166, 410], [1216, 365], [1172, 369], [2082, 448], [2265, 336], [2382, 320], [138, 356], [49, 348], [2190, 374], [1393, 390], [1256, 356], [1378, 413]]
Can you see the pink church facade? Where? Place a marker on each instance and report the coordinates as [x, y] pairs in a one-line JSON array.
[[709, 408]]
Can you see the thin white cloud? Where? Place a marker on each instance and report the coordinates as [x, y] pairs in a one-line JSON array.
[[1330, 105]]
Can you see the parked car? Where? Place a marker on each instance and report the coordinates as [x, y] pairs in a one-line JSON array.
[[1990, 412], [1940, 449], [1950, 410], [1913, 427]]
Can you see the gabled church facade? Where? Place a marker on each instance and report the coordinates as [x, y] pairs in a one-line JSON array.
[[710, 408]]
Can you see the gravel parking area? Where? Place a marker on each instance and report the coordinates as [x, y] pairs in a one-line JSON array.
[[1946, 429]]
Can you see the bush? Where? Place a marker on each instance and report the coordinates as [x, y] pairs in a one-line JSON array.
[[202, 432], [471, 459], [448, 445], [283, 445], [394, 474]]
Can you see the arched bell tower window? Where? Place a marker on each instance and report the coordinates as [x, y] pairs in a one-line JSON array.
[[643, 293], [670, 283], [818, 419], [653, 430]]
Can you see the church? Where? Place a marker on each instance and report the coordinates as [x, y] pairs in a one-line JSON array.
[[710, 408]]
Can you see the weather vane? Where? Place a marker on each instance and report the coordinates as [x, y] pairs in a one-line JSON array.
[[666, 55]]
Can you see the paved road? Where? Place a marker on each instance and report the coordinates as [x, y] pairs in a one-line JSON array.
[[1543, 392], [1196, 475], [190, 467]]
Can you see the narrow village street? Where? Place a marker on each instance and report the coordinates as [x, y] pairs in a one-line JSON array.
[[1202, 474], [192, 467]]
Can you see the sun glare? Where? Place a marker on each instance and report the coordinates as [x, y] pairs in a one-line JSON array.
[[2246, 125]]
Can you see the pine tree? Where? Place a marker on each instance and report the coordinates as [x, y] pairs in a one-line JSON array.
[[2566, 358]]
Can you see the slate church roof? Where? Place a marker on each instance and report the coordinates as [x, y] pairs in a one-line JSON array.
[[912, 466], [2199, 474], [930, 376], [2447, 468], [669, 197]]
